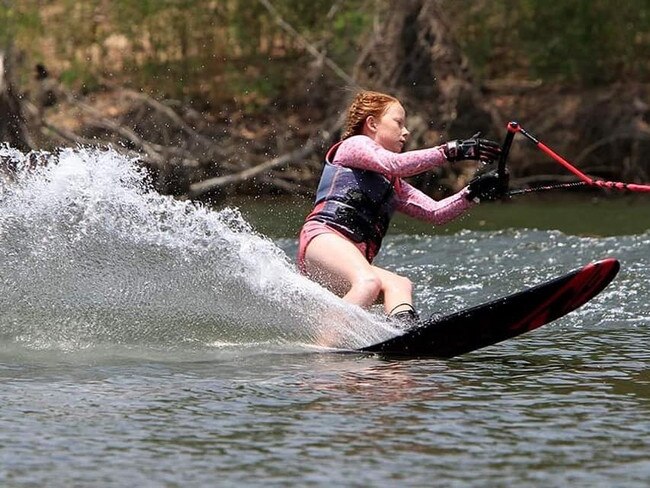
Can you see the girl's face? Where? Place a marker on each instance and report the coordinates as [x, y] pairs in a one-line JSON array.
[[389, 130]]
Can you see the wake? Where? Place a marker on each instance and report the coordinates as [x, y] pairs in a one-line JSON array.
[[91, 256]]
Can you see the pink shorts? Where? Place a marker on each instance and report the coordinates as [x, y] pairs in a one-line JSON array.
[[313, 228]]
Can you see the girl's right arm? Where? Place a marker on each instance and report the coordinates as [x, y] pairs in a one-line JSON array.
[[363, 153]]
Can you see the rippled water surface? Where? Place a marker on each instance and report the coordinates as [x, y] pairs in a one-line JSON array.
[[149, 342]]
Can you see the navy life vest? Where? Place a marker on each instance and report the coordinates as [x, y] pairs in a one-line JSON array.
[[358, 203]]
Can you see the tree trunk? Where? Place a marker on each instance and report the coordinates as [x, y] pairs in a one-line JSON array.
[[415, 57], [13, 128]]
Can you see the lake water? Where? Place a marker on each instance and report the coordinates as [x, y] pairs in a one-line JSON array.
[[151, 342]]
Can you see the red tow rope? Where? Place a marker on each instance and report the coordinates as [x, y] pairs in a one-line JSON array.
[[514, 127]]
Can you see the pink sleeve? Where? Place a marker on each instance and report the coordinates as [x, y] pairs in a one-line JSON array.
[[363, 153], [414, 203]]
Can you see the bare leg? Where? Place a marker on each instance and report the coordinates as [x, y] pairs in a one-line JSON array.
[[338, 265], [398, 291]]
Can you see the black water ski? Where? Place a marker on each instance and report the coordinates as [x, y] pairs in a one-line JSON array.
[[496, 321]]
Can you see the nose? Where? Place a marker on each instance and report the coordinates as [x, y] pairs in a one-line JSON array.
[[405, 132]]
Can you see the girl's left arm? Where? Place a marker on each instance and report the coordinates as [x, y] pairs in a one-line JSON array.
[[415, 203]]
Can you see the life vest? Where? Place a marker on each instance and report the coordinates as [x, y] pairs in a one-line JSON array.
[[358, 203]]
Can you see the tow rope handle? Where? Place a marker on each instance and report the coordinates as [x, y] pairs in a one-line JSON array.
[[513, 127]]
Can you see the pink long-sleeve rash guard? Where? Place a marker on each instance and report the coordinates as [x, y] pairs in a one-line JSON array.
[[364, 153]]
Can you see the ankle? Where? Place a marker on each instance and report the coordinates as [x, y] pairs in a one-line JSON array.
[[406, 316], [401, 308]]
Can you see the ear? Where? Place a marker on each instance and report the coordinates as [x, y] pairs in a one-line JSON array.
[[370, 124]]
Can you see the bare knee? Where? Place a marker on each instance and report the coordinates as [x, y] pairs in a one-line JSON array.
[[401, 284]]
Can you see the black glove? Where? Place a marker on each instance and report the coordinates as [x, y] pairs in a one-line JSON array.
[[474, 148], [488, 186]]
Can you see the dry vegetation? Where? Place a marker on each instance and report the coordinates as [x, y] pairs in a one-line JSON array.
[[205, 138]]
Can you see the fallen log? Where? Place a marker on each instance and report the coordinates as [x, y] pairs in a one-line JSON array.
[[218, 182]]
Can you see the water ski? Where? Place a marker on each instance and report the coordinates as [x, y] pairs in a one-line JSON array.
[[501, 319]]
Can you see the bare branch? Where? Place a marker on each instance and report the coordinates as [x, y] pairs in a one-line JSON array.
[[308, 46], [171, 114], [635, 136], [205, 186]]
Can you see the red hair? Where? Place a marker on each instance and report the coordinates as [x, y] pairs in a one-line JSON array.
[[365, 104]]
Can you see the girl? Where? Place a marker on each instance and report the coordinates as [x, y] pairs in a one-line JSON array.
[[362, 186]]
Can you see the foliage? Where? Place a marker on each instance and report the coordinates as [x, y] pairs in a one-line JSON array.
[[213, 50], [219, 51], [591, 42]]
